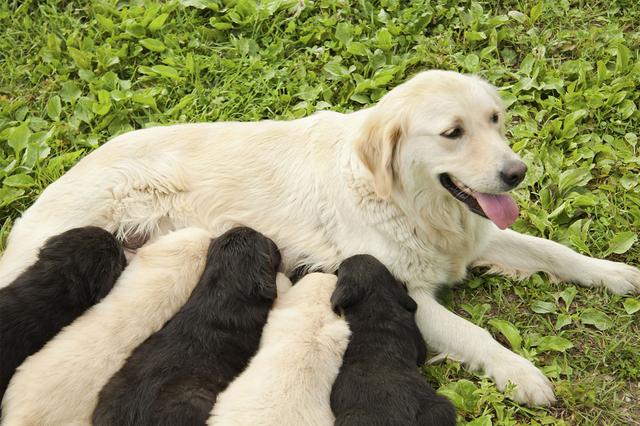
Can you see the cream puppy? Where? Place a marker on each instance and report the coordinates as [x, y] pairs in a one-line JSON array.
[[59, 385], [288, 382]]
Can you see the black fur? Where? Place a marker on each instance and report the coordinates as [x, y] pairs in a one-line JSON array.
[[379, 382], [74, 271], [174, 377]]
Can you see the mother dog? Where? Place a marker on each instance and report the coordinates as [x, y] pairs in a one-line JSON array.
[[419, 180]]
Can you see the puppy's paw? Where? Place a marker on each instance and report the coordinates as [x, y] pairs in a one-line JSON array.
[[617, 277], [532, 386]]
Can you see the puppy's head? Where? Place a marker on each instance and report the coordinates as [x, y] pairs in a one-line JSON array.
[[367, 290], [90, 260], [441, 133], [249, 259]]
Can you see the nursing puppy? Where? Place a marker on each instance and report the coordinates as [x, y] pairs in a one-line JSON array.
[[379, 381], [173, 378], [74, 271], [289, 380], [59, 385]]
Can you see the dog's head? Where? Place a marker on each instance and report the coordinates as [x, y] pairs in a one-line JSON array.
[[89, 259], [248, 259], [442, 133], [367, 289]]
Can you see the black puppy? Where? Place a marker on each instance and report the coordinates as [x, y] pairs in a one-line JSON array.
[[379, 382], [174, 377], [74, 271]]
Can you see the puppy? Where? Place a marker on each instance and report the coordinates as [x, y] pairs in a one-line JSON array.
[[59, 385], [173, 378], [289, 380], [379, 382], [74, 271]]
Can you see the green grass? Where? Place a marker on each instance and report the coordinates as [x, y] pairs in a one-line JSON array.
[[74, 74]]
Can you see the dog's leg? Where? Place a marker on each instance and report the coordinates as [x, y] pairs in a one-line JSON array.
[[517, 254], [461, 340]]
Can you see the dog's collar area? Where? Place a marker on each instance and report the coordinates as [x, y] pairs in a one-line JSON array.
[[461, 195]]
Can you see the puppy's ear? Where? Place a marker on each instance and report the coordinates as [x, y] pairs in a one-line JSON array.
[[376, 147], [268, 289], [346, 294]]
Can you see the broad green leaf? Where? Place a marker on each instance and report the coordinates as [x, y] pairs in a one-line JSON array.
[[462, 393], [596, 318], [19, 137], [19, 181], [568, 294], [200, 4], [83, 110], [631, 306], [54, 107], [136, 30], [384, 39], [573, 178], [541, 307], [622, 242], [158, 22], [475, 35], [144, 99], [153, 44], [509, 331], [481, 421], [105, 22], [536, 12], [8, 195], [37, 149], [562, 321], [70, 92], [82, 59], [518, 16], [622, 58], [358, 48], [344, 33], [335, 69], [166, 71], [553, 343]]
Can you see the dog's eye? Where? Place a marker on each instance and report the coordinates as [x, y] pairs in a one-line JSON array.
[[495, 117], [453, 133]]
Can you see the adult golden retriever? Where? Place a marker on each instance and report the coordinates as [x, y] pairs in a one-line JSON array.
[[418, 180]]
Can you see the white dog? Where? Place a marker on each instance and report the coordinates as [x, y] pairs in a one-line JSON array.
[[289, 380], [417, 180], [60, 384]]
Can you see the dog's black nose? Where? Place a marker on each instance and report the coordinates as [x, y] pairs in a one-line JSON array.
[[513, 172]]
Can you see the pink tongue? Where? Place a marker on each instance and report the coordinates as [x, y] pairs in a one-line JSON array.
[[500, 208]]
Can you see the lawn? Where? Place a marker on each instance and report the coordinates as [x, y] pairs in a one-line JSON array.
[[73, 74]]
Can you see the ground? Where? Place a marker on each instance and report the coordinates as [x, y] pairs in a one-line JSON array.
[[74, 74]]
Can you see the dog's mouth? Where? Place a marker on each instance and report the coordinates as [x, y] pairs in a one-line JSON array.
[[499, 208]]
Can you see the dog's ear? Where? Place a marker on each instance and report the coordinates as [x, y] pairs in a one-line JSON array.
[[408, 303], [267, 289], [376, 147], [347, 293]]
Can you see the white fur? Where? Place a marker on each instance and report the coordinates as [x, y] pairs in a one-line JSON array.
[[326, 187], [289, 380], [60, 384]]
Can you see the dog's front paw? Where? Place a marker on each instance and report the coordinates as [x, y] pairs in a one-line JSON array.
[[617, 277], [532, 386]]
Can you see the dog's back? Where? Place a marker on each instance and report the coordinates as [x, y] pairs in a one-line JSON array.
[[289, 380], [74, 270], [379, 381], [173, 378]]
